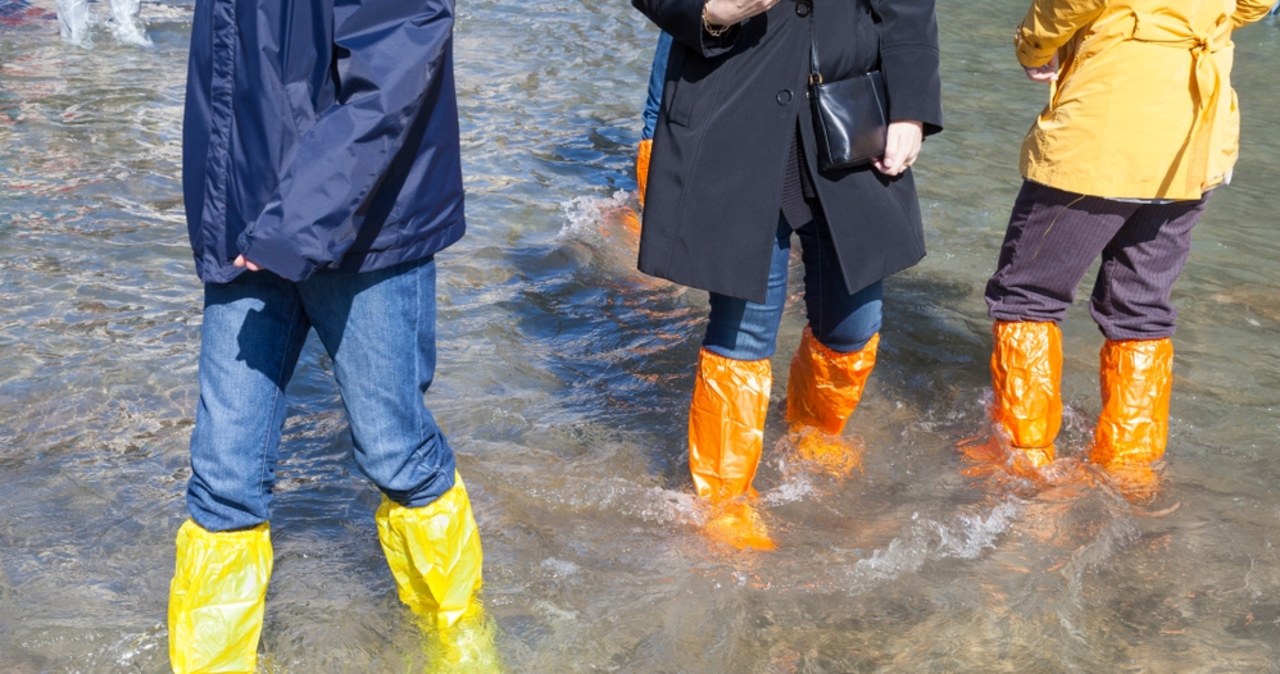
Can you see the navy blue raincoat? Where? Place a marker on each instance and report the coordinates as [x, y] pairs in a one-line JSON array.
[[320, 135]]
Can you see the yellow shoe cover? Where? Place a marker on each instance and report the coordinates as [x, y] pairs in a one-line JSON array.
[[434, 554], [726, 424], [738, 525], [1136, 376], [217, 597], [466, 647], [1026, 375], [643, 150], [825, 386]]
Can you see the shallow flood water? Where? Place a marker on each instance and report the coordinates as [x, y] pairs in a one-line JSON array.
[[563, 383]]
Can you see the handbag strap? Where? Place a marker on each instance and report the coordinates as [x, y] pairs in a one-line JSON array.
[[815, 68]]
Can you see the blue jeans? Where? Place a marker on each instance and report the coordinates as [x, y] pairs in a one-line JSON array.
[[657, 81], [379, 329], [840, 320]]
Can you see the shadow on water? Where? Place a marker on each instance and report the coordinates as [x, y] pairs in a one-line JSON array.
[[615, 343]]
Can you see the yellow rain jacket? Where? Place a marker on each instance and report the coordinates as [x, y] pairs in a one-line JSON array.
[[1143, 106]]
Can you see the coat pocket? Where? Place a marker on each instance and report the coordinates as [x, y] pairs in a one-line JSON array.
[[687, 81]]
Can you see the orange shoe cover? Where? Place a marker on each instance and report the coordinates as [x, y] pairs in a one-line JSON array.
[[992, 456], [833, 455], [825, 386], [726, 424], [1138, 483], [643, 149], [1026, 374], [631, 223], [738, 525], [1136, 377]]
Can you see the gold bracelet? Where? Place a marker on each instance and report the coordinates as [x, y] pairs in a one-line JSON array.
[[712, 30]]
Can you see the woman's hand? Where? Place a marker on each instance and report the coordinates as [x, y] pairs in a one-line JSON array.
[[900, 147], [1045, 73], [729, 12]]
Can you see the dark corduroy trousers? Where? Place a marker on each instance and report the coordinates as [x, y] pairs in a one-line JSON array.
[[1054, 236]]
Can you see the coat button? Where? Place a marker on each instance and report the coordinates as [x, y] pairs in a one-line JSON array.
[[784, 97], [802, 8]]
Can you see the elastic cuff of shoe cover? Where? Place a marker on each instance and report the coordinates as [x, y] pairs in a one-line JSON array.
[[434, 553], [1026, 375], [825, 385], [726, 423], [217, 597]]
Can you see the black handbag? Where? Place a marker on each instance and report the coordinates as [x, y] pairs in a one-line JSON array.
[[849, 116]]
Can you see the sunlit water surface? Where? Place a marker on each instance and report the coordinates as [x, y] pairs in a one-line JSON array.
[[563, 381]]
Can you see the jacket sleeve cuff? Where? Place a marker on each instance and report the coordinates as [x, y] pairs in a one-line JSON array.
[[1248, 11], [713, 46], [913, 85], [279, 257], [1031, 50], [683, 21]]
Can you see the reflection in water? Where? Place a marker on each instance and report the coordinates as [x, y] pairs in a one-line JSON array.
[[15, 13], [563, 378]]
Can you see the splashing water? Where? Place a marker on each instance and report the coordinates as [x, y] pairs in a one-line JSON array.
[[76, 21]]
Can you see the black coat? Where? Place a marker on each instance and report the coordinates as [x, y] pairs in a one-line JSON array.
[[729, 111]]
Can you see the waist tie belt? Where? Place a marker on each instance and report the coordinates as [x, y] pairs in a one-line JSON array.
[[1176, 33], [1168, 31]]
